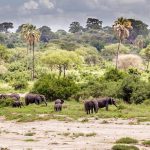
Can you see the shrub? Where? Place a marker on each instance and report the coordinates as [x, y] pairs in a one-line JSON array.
[[132, 89], [20, 84], [127, 140], [114, 74], [10, 45], [53, 87], [5, 102], [124, 147], [146, 143]]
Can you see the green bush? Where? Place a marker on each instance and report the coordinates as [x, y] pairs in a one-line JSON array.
[[20, 84], [5, 102], [127, 140], [133, 90], [114, 74], [53, 87], [124, 147], [146, 143]]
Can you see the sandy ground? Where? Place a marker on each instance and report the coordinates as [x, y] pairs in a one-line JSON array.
[[55, 135]]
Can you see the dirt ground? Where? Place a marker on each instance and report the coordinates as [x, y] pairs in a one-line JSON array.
[[55, 135]]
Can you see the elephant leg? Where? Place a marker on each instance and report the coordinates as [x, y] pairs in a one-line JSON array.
[[37, 102]]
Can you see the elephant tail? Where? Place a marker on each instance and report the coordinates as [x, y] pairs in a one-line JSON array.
[[95, 104]]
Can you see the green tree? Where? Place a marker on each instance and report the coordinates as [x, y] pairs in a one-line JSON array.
[[139, 28], [93, 23], [146, 54], [75, 27], [121, 28], [6, 26], [3, 52], [109, 51], [61, 60]]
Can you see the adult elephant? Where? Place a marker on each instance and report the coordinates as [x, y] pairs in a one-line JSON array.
[[105, 102], [91, 106], [35, 98], [10, 96]]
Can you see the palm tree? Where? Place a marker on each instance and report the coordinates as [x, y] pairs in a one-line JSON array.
[[121, 28], [31, 35]]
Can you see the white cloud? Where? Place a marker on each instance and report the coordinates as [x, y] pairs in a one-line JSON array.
[[47, 3], [30, 5], [127, 1]]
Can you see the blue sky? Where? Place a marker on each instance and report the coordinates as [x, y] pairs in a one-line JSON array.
[[60, 13]]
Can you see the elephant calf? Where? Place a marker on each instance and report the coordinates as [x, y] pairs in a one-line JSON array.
[[35, 98], [17, 104], [104, 102], [91, 106], [58, 105]]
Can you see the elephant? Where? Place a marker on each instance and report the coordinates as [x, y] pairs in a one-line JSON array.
[[104, 102], [17, 104], [58, 107], [11, 96], [58, 104], [35, 98], [59, 101], [91, 106]]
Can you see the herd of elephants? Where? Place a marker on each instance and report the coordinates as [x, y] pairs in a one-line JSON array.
[[90, 106]]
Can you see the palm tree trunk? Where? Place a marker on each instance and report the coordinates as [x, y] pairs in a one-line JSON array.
[[117, 54], [27, 57], [33, 65]]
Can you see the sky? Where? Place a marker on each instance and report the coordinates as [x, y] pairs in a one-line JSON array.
[[58, 14]]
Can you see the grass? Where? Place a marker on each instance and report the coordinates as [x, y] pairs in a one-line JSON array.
[[146, 143], [90, 134], [124, 147], [30, 134], [30, 140], [127, 140], [74, 111]]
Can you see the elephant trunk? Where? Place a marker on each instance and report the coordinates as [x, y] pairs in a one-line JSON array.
[[44, 99]]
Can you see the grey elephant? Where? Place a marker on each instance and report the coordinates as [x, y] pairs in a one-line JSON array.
[[58, 107], [91, 106], [58, 104], [105, 102], [11, 96], [59, 101], [35, 98], [17, 104]]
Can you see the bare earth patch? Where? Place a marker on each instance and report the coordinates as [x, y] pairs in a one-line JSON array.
[[55, 135]]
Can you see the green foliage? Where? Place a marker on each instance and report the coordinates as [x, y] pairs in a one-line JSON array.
[[53, 87], [146, 143], [124, 147], [127, 140], [3, 52], [20, 84], [97, 44], [10, 45], [5, 102], [114, 74], [132, 89], [109, 51]]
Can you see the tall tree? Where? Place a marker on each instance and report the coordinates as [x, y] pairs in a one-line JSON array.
[[7, 25], [139, 28], [75, 27], [31, 35], [46, 34], [93, 23], [121, 28]]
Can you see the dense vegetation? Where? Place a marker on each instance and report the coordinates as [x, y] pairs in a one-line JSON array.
[[78, 64]]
